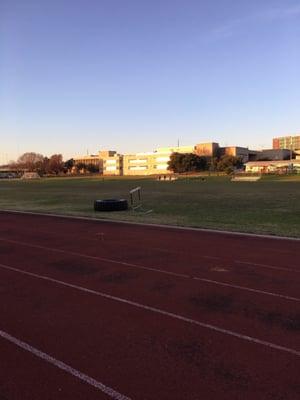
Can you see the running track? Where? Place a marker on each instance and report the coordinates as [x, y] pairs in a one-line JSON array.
[[99, 310]]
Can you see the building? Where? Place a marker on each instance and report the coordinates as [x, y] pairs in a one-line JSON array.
[[207, 149], [287, 142], [242, 152], [176, 149], [156, 162], [111, 162], [152, 163], [273, 155], [108, 162], [88, 160], [143, 164], [282, 166], [297, 154]]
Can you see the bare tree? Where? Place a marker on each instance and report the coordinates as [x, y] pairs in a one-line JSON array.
[[30, 161], [56, 163]]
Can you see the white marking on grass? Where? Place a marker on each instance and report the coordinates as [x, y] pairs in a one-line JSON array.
[[160, 311], [65, 367], [153, 269]]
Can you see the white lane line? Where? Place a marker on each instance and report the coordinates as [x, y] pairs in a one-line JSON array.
[[250, 263], [248, 289], [166, 227], [183, 253], [159, 311], [108, 260], [65, 367], [153, 269]]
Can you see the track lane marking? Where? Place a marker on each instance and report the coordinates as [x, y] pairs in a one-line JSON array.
[[148, 225], [179, 317], [162, 271], [250, 263], [64, 367], [282, 296]]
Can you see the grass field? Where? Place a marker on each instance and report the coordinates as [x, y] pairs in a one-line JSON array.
[[271, 205]]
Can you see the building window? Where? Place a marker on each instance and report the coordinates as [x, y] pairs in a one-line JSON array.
[[138, 168], [162, 159], [138, 161], [161, 166]]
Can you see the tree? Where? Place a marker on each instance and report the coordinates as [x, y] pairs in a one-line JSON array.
[[42, 167], [56, 164], [80, 166], [228, 163], [92, 168], [186, 162], [69, 164], [30, 161]]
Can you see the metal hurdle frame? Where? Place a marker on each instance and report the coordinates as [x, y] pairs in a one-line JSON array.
[[134, 205], [136, 200]]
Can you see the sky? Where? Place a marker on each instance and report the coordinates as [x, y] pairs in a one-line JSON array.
[[77, 76]]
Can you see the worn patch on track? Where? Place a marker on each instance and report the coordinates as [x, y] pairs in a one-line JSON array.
[[79, 267], [213, 302], [118, 277]]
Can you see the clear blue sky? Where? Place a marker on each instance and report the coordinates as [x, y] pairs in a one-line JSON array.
[[133, 75]]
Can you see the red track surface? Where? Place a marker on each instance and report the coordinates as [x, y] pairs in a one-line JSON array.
[[192, 315]]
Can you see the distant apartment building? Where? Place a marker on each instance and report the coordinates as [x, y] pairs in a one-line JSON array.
[[287, 142]]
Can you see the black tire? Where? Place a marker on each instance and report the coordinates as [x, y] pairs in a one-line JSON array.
[[110, 205]]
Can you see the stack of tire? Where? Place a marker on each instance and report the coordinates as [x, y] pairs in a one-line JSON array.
[[110, 205]]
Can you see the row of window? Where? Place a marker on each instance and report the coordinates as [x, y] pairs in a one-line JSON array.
[[161, 167], [145, 161]]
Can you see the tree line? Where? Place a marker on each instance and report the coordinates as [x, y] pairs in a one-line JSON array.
[[190, 162], [35, 162]]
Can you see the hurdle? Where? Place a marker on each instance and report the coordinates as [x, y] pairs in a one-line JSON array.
[[136, 200]]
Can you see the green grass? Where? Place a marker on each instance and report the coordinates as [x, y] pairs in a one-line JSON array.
[[271, 205]]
